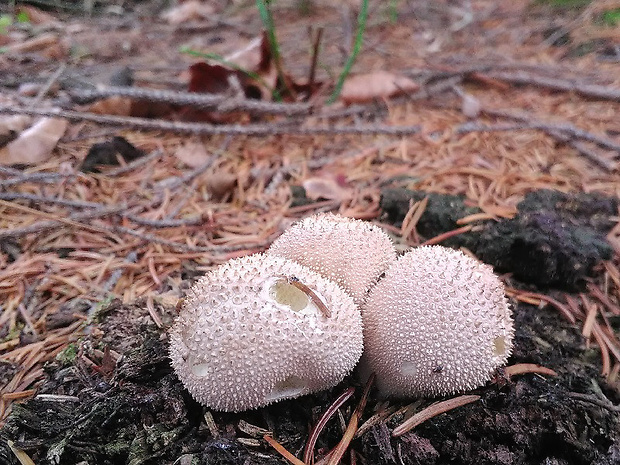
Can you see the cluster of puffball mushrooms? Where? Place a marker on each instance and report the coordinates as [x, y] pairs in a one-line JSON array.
[[329, 291]]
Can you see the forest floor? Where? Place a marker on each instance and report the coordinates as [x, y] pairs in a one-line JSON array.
[[501, 136]]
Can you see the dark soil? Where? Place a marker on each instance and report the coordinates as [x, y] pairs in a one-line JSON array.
[[142, 414], [555, 239], [137, 412]]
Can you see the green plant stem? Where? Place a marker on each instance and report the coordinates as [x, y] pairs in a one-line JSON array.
[[357, 46], [269, 25]]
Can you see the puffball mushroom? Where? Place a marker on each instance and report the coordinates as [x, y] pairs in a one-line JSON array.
[[353, 253], [248, 334], [437, 323]]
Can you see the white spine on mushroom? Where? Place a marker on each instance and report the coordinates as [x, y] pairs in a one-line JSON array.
[[246, 336], [437, 323], [351, 252]]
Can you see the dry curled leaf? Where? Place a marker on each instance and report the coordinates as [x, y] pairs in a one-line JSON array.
[[324, 188], [12, 124], [234, 75], [35, 144], [193, 10], [379, 84], [193, 154], [115, 105]]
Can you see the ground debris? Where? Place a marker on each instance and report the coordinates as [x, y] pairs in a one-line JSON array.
[[143, 414], [554, 238]]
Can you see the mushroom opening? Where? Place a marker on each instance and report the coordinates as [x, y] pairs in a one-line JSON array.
[[408, 369], [237, 334], [293, 386], [199, 369], [287, 294], [499, 346]]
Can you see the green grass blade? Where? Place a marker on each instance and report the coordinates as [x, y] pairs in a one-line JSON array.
[[357, 46]]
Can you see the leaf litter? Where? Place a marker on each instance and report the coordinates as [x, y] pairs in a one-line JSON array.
[[92, 264]]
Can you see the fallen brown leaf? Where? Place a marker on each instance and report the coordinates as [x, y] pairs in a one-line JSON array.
[[192, 153], [35, 144], [13, 124], [324, 188], [116, 105], [379, 84], [192, 10]]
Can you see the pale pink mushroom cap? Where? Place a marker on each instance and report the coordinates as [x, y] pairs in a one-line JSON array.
[[352, 253], [246, 337], [437, 323]]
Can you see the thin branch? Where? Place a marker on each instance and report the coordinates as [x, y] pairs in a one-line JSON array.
[[566, 128], [50, 200], [208, 129], [314, 60], [523, 368], [46, 87], [432, 411], [43, 178], [48, 225], [314, 434], [593, 400], [587, 90], [135, 164], [215, 102], [168, 223], [189, 248]]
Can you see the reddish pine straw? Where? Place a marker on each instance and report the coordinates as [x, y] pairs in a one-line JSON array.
[[173, 216]]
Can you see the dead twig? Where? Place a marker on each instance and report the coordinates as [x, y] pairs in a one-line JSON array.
[[587, 90], [432, 411], [316, 431], [523, 368], [209, 129], [135, 164], [566, 128], [215, 102], [75, 220], [282, 450], [595, 401], [47, 86], [43, 178], [50, 200], [349, 433], [314, 60], [557, 132]]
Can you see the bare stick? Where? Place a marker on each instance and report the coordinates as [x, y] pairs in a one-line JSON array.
[[593, 400], [215, 102], [523, 368], [50, 82], [51, 200], [566, 128], [209, 129], [45, 178], [73, 220], [587, 90], [135, 164], [432, 411], [314, 434]]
